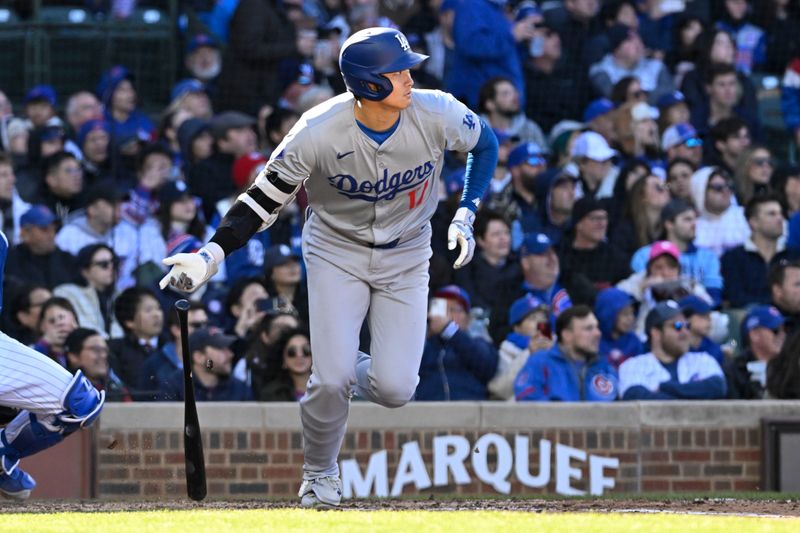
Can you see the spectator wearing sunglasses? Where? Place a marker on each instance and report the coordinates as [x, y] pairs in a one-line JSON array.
[[93, 295], [763, 336], [753, 173], [682, 141], [212, 362], [670, 371], [288, 368], [745, 268], [722, 224]]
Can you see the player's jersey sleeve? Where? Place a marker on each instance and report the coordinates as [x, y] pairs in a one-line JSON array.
[[460, 126], [294, 158]]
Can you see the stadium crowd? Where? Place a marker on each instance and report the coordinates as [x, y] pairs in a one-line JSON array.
[[640, 238]]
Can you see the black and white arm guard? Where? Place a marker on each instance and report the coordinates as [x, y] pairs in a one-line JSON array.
[[255, 210]]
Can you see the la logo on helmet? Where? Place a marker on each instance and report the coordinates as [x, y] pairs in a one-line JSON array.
[[403, 41]]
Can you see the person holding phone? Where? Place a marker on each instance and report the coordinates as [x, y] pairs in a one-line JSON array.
[[570, 371], [530, 332], [455, 365]]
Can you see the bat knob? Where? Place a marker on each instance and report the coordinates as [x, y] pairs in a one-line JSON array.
[[182, 304]]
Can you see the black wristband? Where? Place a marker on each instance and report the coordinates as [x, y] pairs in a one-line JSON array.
[[238, 225]]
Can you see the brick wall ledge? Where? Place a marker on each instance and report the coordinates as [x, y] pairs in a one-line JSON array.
[[464, 415]]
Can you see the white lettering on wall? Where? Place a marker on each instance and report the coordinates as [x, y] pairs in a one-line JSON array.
[[450, 454]]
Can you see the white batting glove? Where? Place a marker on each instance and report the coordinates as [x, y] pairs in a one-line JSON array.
[[460, 232], [190, 271]]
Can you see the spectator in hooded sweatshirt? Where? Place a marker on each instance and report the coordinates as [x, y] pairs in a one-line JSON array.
[[698, 315], [119, 98], [530, 333], [722, 224], [555, 194], [616, 313]]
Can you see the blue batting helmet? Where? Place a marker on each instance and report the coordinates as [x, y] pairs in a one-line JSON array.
[[369, 53]]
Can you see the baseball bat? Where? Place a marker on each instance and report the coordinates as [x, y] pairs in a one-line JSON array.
[[192, 438]]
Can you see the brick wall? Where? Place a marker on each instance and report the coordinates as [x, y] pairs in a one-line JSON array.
[[256, 449]]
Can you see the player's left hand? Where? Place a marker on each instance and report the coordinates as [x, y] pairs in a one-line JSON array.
[[460, 233]]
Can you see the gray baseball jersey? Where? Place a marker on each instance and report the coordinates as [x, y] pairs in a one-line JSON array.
[[373, 194]]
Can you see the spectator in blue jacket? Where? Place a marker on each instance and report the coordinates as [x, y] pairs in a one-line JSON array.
[[212, 361], [161, 364], [670, 371], [698, 316], [699, 264], [746, 266], [455, 365], [571, 370], [615, 312], [485, 47]]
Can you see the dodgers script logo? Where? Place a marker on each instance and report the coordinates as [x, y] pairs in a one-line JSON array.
[[387, 186]]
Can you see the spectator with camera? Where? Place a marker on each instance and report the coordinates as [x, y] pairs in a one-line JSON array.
[[616, 314], [212, 362], [87, 350], [763, 337], [531, 332], [670, 371], [661, 280], [571, 370], [244, 311], [679, 220], [56, 320], [283, 274], [455, 365], [745, 268]]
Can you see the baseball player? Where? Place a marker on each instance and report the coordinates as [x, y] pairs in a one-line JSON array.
[[370, 160], [53, 403]]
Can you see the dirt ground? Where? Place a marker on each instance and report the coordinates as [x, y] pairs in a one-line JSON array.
[[696, 505]]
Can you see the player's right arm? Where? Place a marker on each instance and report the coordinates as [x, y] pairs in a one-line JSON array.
[[254, 210]]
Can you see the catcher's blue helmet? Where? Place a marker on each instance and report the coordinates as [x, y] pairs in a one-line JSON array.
[[369, 53]]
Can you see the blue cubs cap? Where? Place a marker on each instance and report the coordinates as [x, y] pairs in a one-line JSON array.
[[38, 215], [200, 40], [525, 10], [109, 81], [662, 312], [678, 134], [95, 124], [535, 243], [41, 93], [524, 306], [670, 99], [762, 316], [694, 305], [454, 292], [185, 86], [172, 191], [597, 108], [278, 255], [529, 152]]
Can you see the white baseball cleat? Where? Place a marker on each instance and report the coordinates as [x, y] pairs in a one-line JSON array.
[[321, 493]]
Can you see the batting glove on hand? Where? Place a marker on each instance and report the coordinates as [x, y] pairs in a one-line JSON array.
[[460, 232], [190, 271]]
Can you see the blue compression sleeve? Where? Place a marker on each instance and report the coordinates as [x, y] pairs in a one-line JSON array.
[[481, 162]]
